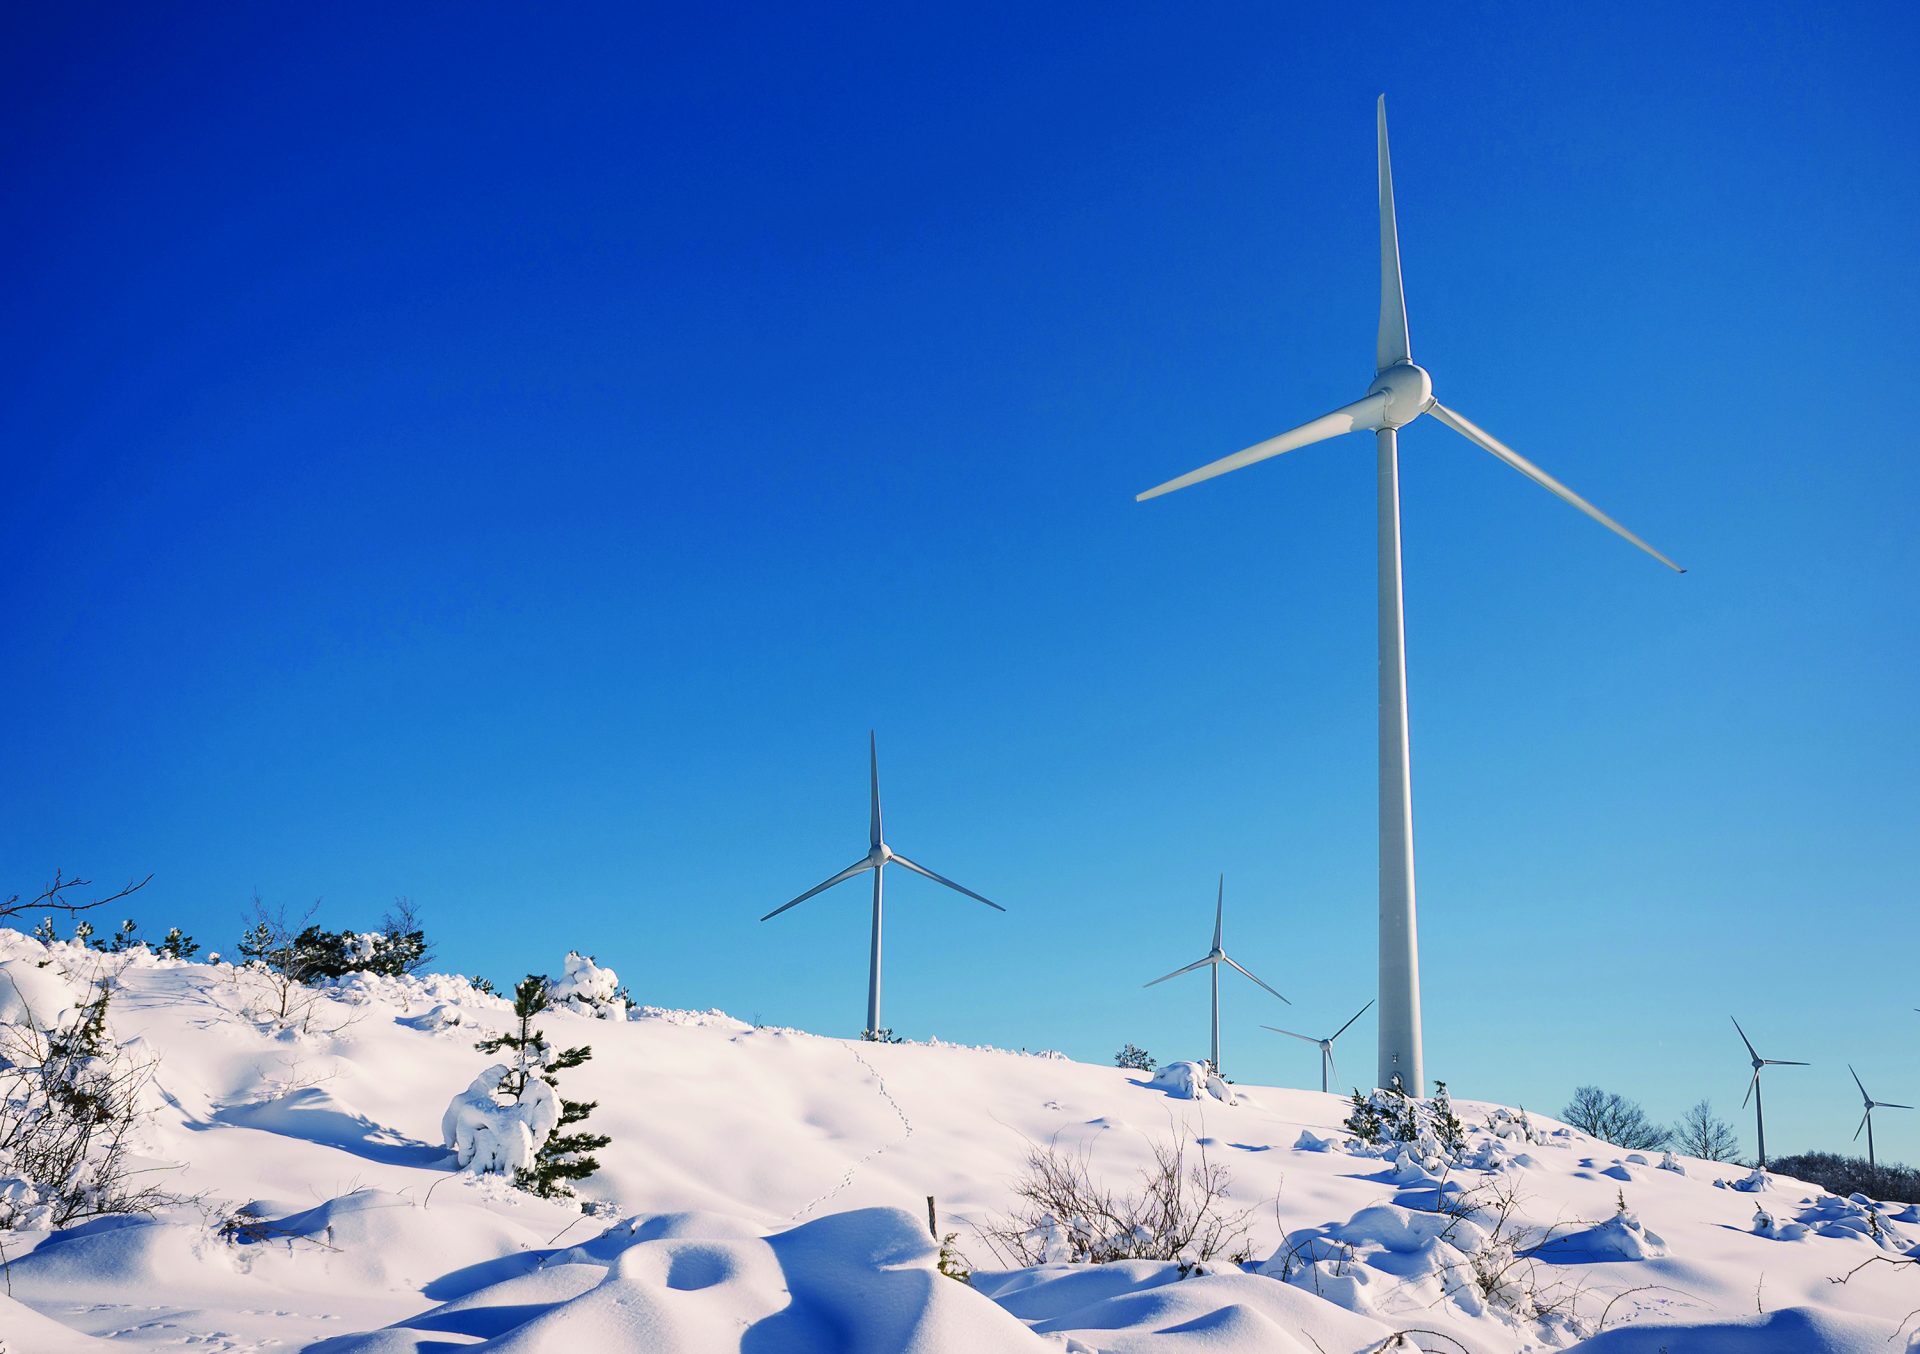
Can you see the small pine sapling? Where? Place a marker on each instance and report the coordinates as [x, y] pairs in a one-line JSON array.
[[1446, 1124], [1365, 1122], [564, 1157], [1134, 1058]]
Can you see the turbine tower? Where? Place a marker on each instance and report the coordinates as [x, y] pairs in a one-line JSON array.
[[1325, 1045], [1753, 1089], [1866, 1120], [1215, 957], [1401, 392], [878, 857]]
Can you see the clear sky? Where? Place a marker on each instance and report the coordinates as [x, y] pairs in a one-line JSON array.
[[510, 457]]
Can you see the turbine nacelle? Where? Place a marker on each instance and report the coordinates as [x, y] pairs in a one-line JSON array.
[[1409, 392]]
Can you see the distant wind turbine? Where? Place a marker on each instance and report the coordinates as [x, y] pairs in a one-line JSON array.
[[1866, 1120], [1401, 392], [877, 859], [1326, 1045], [1215, 957], [1753, 1089]]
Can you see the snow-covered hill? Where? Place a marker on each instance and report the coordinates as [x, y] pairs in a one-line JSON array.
[[766, 1190]]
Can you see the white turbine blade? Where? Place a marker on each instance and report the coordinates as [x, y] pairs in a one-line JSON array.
[[1863, 1124], [1219, 911], [1303, 1038], [1856, 1081], [1743, 1038], [1364, 413], [1356, 1015], [1750, 1085], [848, 873], [1333, 1073], [899, 859], [1889, 1105], [1261, 981], [1393, 346], [1783, 1062], [873, 781], [1486, 441], [1198, 963]]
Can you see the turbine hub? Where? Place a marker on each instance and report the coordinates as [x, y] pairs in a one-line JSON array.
[[880, 854], [1409, 391]]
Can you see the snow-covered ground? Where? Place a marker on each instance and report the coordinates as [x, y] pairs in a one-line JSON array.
[[766, 1190]]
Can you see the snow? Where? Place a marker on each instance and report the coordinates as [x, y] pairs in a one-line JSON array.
[[491, 1138], [586, 988], [765, 1190]]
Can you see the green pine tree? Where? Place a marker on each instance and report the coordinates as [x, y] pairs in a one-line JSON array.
[[564, 1157]]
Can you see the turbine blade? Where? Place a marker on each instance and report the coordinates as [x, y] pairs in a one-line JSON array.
[[1783, 1062], [1393, 346], [1198, 963], [1363, 413], [1889, 1105], [1356, 1015], [1261, 981], [1856, 1081], [873, 773], [1333, 1073], [1488, 442], [1743, 1039], [845, 874], [899, 859], [1219, 911], [1303, 1038], [1863, 1124], [1750, 1085]]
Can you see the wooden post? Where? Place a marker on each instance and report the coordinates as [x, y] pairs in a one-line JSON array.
[[933, 1219]]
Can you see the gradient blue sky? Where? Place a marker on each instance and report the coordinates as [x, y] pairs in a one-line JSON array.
[[511, 457]]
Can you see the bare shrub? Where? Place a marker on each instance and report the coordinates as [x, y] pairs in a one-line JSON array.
[[58, 897], [1704, 1134], [72, 1102], [1613, 1118], [1180, 1212]]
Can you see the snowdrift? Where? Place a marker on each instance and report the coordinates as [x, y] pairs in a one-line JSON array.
[[766, 1190]]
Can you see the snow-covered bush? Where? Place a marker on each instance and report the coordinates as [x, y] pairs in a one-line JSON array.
[[586, 988], [494, 1135], [1389, 1119], [1191, 1080]]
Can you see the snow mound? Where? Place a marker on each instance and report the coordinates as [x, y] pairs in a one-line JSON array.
[[30, 994], [1190, 1081], [862, 1282], [1798, 1330]]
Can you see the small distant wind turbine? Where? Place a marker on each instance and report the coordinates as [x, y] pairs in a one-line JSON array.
[[877, 859], [1401, 392], [1753, 1088], [1866, 1120], [1215, 957], [1326, 1045]]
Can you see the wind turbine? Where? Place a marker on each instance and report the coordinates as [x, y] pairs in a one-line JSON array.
[[1753, 1089], [877, 859], [1866, 1120], [1401, 392], [1215, 957], [1326, 1045]]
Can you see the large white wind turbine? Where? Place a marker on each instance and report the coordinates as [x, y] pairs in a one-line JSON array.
[[1400, 393], [1866, 1120], [1215, 957], [1753, 1089], [1325, 1045], [877, 859]]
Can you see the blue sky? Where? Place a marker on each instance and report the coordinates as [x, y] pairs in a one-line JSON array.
[[512, 459]]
